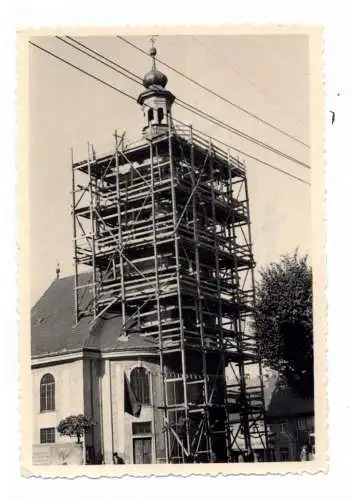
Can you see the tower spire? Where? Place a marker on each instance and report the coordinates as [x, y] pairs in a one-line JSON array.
[[152, 50]]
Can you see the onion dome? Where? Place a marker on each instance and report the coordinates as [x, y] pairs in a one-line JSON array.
[[154, 77]]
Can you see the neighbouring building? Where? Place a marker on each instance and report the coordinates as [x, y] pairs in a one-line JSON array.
[[290, 419]]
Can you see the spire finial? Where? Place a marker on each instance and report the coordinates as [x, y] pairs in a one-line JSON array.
[[152, 50], [58, 270], [154, 78]]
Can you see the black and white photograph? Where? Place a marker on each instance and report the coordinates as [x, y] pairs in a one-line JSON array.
[[175, 269]]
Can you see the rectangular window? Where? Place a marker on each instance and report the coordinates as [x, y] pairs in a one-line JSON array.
[[301, 424], [47, 435], [284, 455], [141, 427]]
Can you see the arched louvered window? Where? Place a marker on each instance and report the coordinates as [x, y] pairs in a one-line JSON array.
[[140, 385], [160, 115], [47, 393], [150, 115]]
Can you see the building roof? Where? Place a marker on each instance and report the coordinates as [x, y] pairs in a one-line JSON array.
[[285, 402], [53, 329], [280, 399]]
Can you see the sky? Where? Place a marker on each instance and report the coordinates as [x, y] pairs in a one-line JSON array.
[[267, 75]]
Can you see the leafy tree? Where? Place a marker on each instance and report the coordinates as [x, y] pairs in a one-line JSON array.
[[284, 321], [75, 425]]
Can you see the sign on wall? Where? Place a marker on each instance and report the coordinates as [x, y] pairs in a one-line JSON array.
[[57, 454]]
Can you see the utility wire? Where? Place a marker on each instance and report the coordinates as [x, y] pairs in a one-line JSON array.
[[207, 89], [82, 70], [132, 76], [189, 107], [225, 126], [94, 77], [251, 82]]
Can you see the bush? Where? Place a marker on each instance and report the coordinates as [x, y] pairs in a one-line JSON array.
[[75, 425]]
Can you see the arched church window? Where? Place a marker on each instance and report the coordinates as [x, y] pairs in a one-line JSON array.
[[47, 393], [150, 115], [160, 115], [140, 385]]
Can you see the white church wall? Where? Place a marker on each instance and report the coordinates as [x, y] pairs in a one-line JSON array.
[[68, 396], [95, 387], [117, 424]]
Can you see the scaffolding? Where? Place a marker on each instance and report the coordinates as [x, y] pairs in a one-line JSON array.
[[164, 227]]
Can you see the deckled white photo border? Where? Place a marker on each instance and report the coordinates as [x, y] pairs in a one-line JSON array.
[[338, 84]]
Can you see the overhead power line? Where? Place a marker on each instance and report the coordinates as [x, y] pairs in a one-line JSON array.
[[216, 94], [225, 126], [251, 82], [189, 107], [99, 80], [82, 70], [129, 74]]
